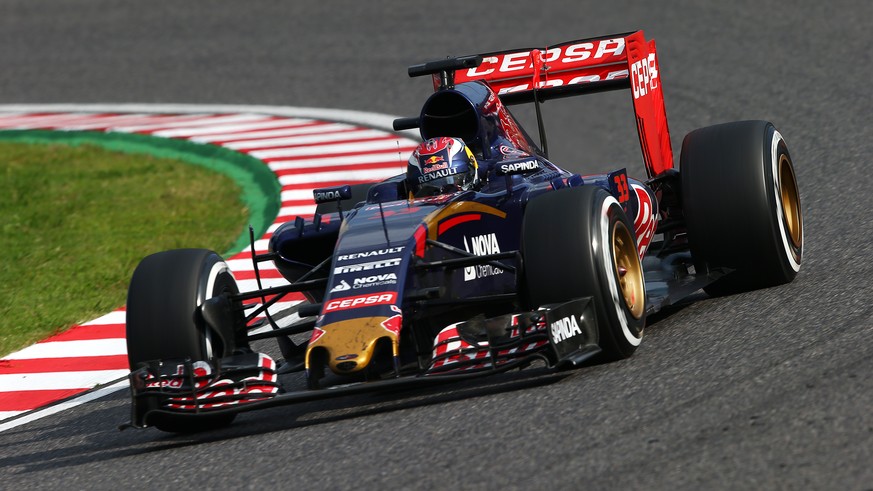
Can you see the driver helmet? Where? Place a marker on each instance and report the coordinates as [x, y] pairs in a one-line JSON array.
[[442, 165]]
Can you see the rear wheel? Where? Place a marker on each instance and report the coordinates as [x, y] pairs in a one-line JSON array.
[[163, 321], [742, 205], [577, 242]]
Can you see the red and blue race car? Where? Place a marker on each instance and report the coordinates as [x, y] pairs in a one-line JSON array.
[[483, 257]]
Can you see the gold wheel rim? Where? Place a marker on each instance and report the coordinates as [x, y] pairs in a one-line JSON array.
[[628, 270], [790, 201]]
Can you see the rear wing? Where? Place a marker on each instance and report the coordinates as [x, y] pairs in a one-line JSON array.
[[619, 61]]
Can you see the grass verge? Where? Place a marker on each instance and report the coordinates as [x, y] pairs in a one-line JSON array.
[[77, 219]]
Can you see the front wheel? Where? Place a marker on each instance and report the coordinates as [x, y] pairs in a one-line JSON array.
[[742, 205], [163, 322], [578, 242]]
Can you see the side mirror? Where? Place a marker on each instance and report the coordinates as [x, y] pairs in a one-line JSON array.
[[386, 191]]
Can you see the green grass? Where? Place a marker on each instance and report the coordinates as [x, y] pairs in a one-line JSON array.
[[76, 221]]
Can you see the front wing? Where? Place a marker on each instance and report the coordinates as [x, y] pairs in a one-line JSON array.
[[563, 335]]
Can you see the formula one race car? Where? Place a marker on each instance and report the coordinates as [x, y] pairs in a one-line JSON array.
[[484, 257]]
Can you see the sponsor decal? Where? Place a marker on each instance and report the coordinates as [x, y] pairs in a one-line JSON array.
[[512, 152], [481, 245], [644, 76], [519, 167], [646, 220], [343, 286], [354, 268], [317, 332], [200, 369], [565, 328], [393, 324], [230, 391], [480, 271], [558, 82], [433, 159], [587, 61], [571, 53], [436, 175], [619, 186], [436, 144], [385, 206], [366, 254], [432, 200], [368, 300], [328, 196], [375, 280], [435, 167], [324, 195]]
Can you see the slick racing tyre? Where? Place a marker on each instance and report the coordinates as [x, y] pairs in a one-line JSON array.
[[578, 242], [742, 205], [163, 321]]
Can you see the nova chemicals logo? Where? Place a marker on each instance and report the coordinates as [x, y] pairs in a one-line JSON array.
[[482, 245], [375, 280], [341, 287]]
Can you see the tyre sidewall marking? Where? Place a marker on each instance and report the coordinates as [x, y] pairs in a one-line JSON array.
[[215, 271], [780, 213], [607, 262]]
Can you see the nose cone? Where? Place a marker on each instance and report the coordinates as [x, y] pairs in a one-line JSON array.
[[351, 344]]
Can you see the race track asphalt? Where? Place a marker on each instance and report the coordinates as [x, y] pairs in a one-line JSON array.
[[770, 389]]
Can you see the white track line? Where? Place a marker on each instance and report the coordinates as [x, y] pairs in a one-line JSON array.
[[208, 119], [374, 120], [51, 381], [287, 130], [231, 128], [305, 139], [344, 175], [70, 349], [63, 406], [392, 156]]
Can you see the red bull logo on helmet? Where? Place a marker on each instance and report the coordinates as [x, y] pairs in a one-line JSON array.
[[433, 163]]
